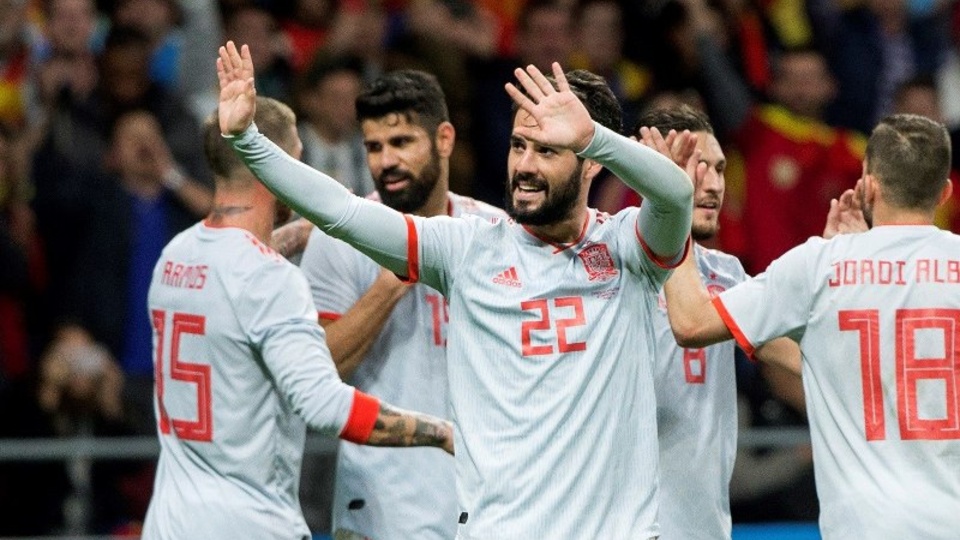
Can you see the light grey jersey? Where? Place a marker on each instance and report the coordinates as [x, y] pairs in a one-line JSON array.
[[697, 419], [241, 368], [551, 383], [387, 493], [877, 315]]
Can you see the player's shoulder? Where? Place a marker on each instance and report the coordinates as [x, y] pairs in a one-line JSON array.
[[462, 206], [239, 251]]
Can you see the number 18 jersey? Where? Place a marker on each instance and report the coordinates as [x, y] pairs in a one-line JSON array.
[[877, 316]]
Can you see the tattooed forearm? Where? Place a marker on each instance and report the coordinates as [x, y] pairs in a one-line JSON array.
[[291, 239], [395, 427]]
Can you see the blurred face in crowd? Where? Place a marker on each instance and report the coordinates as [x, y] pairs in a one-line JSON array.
[[136, 137], [803, 84], [258, 29], [125, 74], [331, 104], [546, 38], [152, 17], [601, 37], [544, 185], [922, 100], [404, 159], [70, 26], [708, 191]]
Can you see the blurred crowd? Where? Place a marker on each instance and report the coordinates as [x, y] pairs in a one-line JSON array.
[[101, 161]]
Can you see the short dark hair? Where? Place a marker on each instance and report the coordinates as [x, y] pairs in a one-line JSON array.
[[679, 119], [413, 93], [274, 119], [909, 155], [595, 94]]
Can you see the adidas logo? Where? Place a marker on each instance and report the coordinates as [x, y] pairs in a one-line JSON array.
[[508, 277]]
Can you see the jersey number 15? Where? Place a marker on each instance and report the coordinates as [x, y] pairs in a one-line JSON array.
[[940, 374], [168, 349]]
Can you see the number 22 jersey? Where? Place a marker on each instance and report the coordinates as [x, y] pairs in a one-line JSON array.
[[550, 352]]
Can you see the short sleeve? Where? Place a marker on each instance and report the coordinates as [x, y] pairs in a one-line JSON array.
[[279, 318], [773, 304], [336, 274]]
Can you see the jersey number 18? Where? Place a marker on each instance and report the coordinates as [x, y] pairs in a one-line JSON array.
[[935, 328]]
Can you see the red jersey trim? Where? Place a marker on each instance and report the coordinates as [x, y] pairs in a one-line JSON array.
[[734, 328], [328, 316], [667, 263], [413, 252], [363, 417]]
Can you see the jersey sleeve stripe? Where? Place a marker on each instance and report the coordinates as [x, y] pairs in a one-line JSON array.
[[667, 263], [413, 252], [328, 316], [363, 416], [733, 327]]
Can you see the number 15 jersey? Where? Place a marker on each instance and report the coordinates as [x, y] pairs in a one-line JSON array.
[[877, 316]]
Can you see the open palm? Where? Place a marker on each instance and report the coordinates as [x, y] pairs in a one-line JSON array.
[[238, 96], [557, 118]]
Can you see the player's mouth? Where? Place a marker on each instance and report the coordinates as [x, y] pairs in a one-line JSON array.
[[394, 181], [528, 190], [708, 205]]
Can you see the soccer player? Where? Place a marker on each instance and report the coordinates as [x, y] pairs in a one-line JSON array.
[[877, 314], [550, 343], [388, 338], [696, 388], [241, 367]]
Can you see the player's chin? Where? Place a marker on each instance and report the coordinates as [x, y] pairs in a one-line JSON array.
[[704, 230]]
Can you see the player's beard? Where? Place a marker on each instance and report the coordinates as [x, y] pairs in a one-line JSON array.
[[704, 232], [558, 203], [419, 186]]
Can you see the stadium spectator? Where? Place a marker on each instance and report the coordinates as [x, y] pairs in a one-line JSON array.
[[328, 125], [242, 367], [386, 337], [536, 455]]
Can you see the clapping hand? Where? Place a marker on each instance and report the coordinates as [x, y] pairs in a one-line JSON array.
[[846, 214], [681, 148], [556, 117], [238, 95]]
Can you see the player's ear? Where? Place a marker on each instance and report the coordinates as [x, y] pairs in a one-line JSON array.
[[445, 139], [946, 192], [590, 169]]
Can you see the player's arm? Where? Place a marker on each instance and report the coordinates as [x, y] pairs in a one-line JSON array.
[[375, 229], [693, 318], [279, 318], [562, 121], [291, 239], [351, 335]]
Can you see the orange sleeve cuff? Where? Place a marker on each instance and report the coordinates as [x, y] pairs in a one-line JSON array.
[[738, 334], [413, 253], [667, 263], [363, 417]]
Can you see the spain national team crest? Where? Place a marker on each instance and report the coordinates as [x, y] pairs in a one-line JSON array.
[[598, 262]]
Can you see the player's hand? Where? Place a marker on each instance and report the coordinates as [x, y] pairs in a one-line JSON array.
[[845, 215], [680, 148], [238, 95], [556, 118]]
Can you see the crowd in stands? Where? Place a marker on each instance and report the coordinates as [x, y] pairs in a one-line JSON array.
[[101, 158]]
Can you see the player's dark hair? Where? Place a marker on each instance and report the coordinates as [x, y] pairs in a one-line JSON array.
[[910, 157], [678, 119], [595, 94], [414, 94], [274, 119]]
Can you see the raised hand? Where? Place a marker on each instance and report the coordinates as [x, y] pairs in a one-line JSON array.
[[557, 118], [681, 148], [238, 96], [846, 214]]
